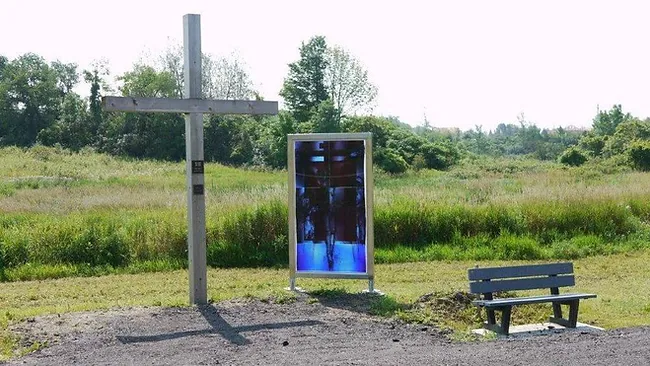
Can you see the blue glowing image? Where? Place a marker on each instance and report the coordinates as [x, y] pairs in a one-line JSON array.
[[330, 206]]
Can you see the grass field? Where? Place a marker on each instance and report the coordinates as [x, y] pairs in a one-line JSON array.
[[77, 214]]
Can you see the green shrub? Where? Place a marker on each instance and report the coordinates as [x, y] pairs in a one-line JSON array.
[[639, 154], [573, 156], [440, 156], [593, 144], [390, 161]]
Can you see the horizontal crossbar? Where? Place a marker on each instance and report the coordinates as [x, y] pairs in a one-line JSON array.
[[519, 271], [170, 105], [496, 303]]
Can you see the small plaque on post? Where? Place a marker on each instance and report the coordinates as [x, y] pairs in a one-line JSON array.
[[198, 189], [197, 166]]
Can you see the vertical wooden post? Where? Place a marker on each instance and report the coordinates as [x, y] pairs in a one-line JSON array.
[[196, 233], [370, 233]]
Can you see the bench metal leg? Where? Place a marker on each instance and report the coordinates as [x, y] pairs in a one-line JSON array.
[[490, 317], [505, 320], [573, 313], [572, 322], [557, 310]]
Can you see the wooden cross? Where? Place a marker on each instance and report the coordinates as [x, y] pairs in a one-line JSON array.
[[193, 106]]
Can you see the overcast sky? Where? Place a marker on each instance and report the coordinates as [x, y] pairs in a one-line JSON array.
[[463, 63]]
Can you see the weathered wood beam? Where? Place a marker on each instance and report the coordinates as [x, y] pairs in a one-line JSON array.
[[168, 105]]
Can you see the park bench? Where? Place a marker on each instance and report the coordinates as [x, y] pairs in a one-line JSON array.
[[493, 280]]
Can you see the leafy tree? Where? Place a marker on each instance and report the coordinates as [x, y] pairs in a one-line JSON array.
[[477, 141], [149, 135], [626, 132], [304, 89], [145, 81], [593, 144], [326, 118], [218, 134], [242, 148], [529, 135], [506, 130], [30, 98], [379, 127], [67, 76], [271, 147], [221, 77], [72, 129], [226, 78], [605, 122], [6, 112], [229, 139], [347, 82], [96, 78], [3, 63]]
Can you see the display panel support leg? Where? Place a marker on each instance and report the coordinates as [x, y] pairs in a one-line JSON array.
[[292, 285], [371, 288]]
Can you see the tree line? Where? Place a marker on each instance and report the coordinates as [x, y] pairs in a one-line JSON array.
[[326, 89]]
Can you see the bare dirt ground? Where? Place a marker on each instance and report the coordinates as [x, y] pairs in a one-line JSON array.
[[328, 332]]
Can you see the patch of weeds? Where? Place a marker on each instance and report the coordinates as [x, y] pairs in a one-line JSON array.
[[29, 347], [385, 306], [646, 309], [457, 335], [441, 307], [283, 297], [11, 345], [329, 293], [364, 303], [8, 343], [249, 297], [312, 300], [177, 304]]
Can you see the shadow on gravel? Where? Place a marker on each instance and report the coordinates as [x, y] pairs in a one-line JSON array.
[[365, 303], [217, 325]]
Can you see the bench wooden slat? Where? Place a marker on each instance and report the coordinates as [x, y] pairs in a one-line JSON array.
[[519, 271], [521, 284], [531, 300]]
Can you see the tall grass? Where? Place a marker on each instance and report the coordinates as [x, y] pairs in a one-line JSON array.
[[70, 213]]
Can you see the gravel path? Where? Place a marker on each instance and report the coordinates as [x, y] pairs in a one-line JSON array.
[[254, 332]]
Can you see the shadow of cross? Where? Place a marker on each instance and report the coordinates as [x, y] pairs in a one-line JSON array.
[[217, 325]]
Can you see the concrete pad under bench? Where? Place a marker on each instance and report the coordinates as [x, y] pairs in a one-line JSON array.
[[527, 330]]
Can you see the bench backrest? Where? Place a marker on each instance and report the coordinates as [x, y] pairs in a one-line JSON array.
[[528, 277]]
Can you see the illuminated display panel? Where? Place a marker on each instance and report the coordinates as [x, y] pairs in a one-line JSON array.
[[329, 218]]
